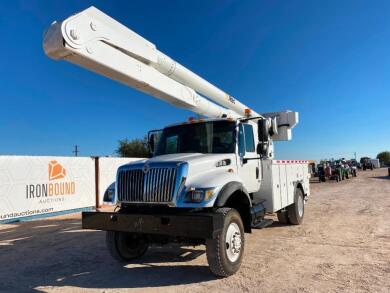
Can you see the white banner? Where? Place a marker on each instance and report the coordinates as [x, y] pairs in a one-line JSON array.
[[38, 185]]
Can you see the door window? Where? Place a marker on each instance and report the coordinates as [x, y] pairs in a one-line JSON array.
[[249, 139], [241, 141], [246, 142]]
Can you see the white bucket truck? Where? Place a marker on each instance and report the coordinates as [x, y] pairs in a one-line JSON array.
[[210, 180]]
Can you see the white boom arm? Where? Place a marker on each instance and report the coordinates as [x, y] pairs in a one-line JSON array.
[[96, 41], [99, 43]]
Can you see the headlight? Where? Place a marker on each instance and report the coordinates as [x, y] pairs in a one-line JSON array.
[[109, 195], [197, 195]]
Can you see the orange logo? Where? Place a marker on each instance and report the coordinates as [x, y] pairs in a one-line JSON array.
[[56, 171]]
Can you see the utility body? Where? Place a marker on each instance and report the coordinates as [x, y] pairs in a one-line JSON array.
[[210, 180]]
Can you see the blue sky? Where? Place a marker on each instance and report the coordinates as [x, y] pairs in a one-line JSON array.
[[328, 60]]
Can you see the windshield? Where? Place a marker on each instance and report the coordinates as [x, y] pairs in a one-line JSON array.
[[216, 137]]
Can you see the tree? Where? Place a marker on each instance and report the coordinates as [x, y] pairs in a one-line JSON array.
[[135, 148], [384, 157]]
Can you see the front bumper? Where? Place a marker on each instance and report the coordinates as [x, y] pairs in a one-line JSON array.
[[192, 225]]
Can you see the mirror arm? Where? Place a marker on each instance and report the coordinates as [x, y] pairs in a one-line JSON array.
[[245, 160]]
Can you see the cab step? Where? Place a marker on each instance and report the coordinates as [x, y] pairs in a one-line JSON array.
[[262, 224]]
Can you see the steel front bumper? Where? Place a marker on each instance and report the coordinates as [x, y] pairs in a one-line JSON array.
[[193, 225]]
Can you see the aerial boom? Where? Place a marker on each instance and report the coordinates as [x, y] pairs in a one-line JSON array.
[[96, 41]]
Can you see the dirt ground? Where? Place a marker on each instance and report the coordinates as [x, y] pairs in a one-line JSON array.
[[343, 245]]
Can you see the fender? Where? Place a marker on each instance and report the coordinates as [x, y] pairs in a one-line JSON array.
[[243, 207], [296, 185], [227, 190]]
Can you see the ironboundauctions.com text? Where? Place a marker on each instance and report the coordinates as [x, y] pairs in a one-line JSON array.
[[25, 213]]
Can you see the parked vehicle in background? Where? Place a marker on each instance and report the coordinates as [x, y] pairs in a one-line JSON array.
[[321, 173], [366, 163], [338, 172], [345, 168], [353, 167], [313, 169], [333, 171], [375, 163]]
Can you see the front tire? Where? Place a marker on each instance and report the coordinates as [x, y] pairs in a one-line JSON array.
[[126, 246], [296, 211], [225, 252]]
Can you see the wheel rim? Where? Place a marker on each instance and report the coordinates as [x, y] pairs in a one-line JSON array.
[[233, 242], [300, 206]]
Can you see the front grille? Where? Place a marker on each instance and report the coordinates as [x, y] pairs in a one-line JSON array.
[[156, 185]]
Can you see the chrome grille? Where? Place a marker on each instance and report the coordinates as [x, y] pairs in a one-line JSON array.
[[156, 185]]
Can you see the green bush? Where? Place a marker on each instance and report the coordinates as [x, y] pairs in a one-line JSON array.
[[384, 157], [135, 148]]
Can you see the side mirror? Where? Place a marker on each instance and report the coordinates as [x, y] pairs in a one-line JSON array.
[[262, 149], [151, 143], [263, 135], [153, 139], [263, 130]]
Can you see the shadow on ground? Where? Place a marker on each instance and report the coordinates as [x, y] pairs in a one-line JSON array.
[[58, 253], [381, 177]]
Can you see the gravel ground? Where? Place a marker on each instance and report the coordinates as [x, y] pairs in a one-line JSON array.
[[343, 245]]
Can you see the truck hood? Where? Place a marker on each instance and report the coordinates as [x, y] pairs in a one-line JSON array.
[[198, 164], [193, 158]]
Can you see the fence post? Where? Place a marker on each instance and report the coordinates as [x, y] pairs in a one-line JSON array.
[[97, 182]]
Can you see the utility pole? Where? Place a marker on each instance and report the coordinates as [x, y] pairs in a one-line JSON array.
[[355, 156], [76, 150]]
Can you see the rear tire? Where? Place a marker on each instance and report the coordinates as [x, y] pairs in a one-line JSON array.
[[126, 246], [296, 211], [225, 252]]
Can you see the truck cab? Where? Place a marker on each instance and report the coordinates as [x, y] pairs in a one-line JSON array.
[[191, 163]]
